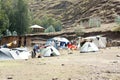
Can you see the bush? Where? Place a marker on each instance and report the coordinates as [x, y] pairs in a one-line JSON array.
[[78, 31], [14, 33], [50, 29], [117, 20], [48, 21], [8, 33], [116, 29], [94, 22]]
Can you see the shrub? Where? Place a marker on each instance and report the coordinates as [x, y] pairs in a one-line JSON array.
[[8, 33], [78, 31], [117, 20], [14, 33], [48, 21], [116, 29], [94, 22], [50, 29]]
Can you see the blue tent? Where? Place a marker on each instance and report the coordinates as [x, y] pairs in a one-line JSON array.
[[52, 42]]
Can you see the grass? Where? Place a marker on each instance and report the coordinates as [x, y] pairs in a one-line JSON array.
[[116, 29]]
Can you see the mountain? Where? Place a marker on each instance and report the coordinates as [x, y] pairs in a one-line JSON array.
[[71, 12]]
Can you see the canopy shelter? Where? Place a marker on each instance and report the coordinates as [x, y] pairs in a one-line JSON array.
[[37, 28]]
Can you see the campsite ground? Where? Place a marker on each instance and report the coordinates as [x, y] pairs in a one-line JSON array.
[[102, 65]]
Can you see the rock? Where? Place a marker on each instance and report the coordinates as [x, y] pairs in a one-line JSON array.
[[69, 78], [54, 78], [107, 71], [117, 55], [115, 61], [70, 53], [62, 64], [9, 77]]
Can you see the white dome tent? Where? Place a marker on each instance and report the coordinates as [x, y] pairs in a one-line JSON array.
[[49, 51], [13, 54], [99, 41], [88, 47]]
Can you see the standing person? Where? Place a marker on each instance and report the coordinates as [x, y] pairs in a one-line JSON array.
[[25, 41], [35, 49], [19, 42]]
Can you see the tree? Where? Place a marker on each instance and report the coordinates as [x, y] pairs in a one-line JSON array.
[[48, 21], [57, 25], [4, 21], [22, 18], [50, 29]]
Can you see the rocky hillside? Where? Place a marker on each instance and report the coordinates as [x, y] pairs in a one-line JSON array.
[[73, 11]]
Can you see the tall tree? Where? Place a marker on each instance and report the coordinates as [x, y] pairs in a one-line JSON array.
[[22, 17], [9, 7], [4, 21]]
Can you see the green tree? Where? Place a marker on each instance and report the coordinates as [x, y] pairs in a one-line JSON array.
[[4, 21], [9, 7], [50, 29], [57, 25], [48, 21], [22, 17]]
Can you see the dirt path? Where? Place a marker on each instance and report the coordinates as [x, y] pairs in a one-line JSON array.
[[102, 65]]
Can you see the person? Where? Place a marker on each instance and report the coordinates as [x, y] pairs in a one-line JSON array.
[[35, 49], [19, 42], [24, 41]]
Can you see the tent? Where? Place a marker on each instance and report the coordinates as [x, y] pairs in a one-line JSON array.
[[5, 54], [52, 42], [61, 39], [11, 54], [88, 47], [99, 41], [59, 42], [49, 51]]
